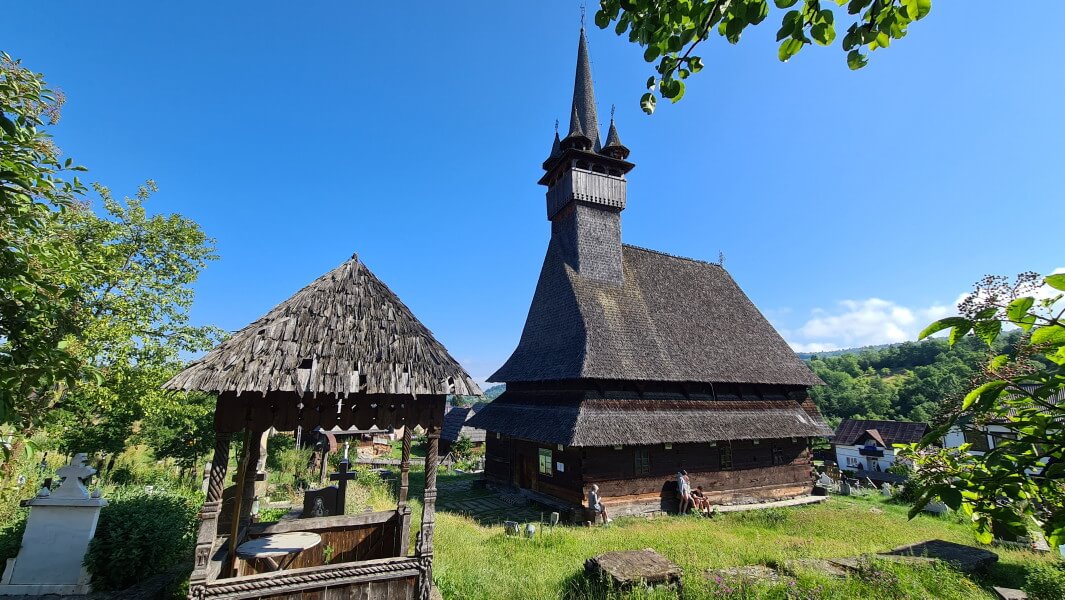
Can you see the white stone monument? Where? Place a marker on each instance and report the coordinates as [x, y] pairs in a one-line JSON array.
[[58, 530]]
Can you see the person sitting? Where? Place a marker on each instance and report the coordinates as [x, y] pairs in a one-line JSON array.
[[684, 491], [700, 501], [596, 504]]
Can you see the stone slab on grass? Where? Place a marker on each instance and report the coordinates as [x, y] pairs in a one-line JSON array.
[[966, 559], [833, 567], [1009, 593], [749, 573], [628, 568]]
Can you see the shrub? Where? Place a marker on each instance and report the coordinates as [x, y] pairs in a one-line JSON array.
[[140, 535], [1045, 581], [11, 535], [276, 448]]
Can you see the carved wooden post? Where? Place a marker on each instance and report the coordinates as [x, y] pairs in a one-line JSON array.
[[424, 547], [253, 450], [403, 543], [208, 531]]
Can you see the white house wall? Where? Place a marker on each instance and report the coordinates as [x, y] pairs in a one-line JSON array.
[[843, 453]]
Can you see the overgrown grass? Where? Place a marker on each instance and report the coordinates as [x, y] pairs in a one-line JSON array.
[[475, 562]]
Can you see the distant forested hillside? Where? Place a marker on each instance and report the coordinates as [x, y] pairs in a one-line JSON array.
[[494, 392], [907, 382]]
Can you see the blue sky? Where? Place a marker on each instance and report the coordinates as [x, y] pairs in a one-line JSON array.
[[852, 207]]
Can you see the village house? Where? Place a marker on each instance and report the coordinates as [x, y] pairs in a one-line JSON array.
[[866, 447], [985, 437], [634, 364]]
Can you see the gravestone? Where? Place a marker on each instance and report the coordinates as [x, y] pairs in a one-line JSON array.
[[322, 503], [886, 490], [58, 531], [825, 481], [967, 559], [330, 501], [628, 568]]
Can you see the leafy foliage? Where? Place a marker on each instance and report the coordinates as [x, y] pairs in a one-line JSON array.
[[908, 381], [133, 303], [463, 447], [184, 431], [93, 305], [140, 535], [670, 31], [1021, 391], [36, 270], [1045, 582], [11, 534]]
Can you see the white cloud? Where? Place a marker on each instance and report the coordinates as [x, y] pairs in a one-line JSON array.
[[854, 323], [873, 321]]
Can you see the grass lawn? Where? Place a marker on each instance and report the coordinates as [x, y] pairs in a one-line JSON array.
[[475, 561]]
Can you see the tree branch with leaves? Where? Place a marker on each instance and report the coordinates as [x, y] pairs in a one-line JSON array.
[[671, 31], [1023, 392]]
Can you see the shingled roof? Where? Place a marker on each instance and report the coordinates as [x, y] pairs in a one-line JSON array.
[[582, 418], [672, 319], [887, 433], [455, 424], [345, 333]]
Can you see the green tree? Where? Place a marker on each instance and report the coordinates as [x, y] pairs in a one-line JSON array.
[[1021, 390], [134, 302], [671, 31], [462, 447], [184, 430], [37, 271]]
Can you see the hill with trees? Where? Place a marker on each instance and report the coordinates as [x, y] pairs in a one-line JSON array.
[[907, 382]]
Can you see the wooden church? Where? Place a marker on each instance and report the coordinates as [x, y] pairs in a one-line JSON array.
[[634, 364]]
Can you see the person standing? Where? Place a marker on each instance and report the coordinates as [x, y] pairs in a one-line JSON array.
[[684, 491]]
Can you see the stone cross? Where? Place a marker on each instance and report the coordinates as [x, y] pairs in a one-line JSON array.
[[342, 478], [73, 474]]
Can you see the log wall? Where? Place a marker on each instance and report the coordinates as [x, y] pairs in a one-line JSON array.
[[772, 469]]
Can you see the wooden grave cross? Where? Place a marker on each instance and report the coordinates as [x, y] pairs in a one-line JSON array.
[[342, 478]]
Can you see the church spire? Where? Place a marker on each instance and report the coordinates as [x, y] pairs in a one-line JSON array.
[[613, 146], [584, 95]]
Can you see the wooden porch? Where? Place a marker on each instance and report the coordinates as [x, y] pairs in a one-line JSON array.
[[365, 556]]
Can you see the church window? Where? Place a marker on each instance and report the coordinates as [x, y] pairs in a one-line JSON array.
[[643, 461], [726, 457], [546, 461]]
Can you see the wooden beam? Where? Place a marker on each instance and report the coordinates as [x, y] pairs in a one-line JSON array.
[[320, 523], [238, 497], [424, 548], [208, 530], [403, 543]]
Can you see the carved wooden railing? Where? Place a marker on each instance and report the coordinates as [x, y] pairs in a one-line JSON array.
[[345, 539], [366, 552], [383, 579]]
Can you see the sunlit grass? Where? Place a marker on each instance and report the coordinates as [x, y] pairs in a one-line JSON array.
[[477, 562]]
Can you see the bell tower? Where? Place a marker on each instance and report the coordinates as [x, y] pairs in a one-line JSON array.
[[586, 186]]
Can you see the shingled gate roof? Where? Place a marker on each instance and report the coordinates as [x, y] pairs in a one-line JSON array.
[[672, 319], [455, 424], [890, 432], [345, 333], [580, 418]]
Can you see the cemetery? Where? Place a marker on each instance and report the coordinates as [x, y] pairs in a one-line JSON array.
[[657, 431]]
